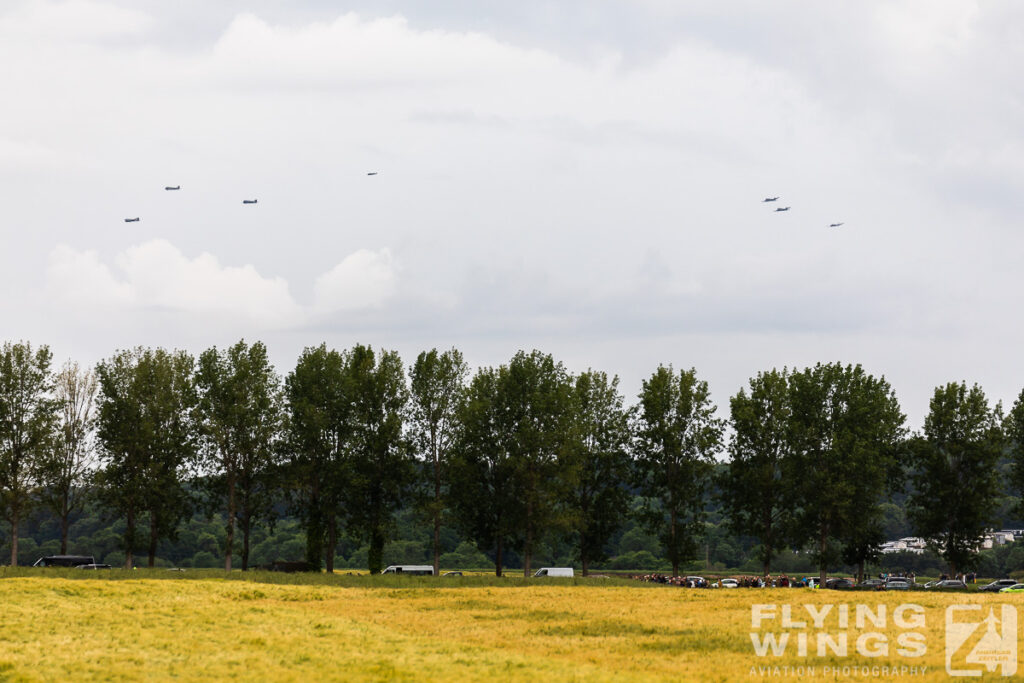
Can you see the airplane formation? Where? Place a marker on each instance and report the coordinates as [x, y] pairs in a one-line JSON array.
[[174, 188], [787, 208]]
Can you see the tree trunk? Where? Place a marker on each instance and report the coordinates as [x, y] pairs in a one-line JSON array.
[[65, 513], [152, 539], [437, 543], [822, 547], [314, 530], [528, 545], [246, 528], [497, 559], [437, 502], [376, 550], [860, 571], [768, 541], [129, 537], [230, 541], [673, 555], [585, 561], [332, 543], [14, 537]]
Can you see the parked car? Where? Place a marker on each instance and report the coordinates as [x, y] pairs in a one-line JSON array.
[[871, 583], [64, 561], [838, 583], [1015, 588], [452, 574], [93, 566], [997, 585], [730, 583], [949, 584], [897, 585]]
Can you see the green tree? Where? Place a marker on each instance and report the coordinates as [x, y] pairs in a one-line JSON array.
[[437, 382], [481, 472], [382, 467], [319, 434], [677, 438], [845, 429], [535, 416], [955, 479], [28, 420], [240, 417], [148, 440], [756, 493], [66, 469], [1014, 430], [600, 448]]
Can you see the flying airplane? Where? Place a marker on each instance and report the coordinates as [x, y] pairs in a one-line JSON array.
[[782, 208], [131, 220], [834, 225], [769, 199], [372, 173], [176, 187], [249, 201]]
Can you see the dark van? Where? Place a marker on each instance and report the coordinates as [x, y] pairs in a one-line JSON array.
[[64, 560]]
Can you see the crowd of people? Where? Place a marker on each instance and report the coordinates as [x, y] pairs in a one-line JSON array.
[[768, 581], [782, 581]]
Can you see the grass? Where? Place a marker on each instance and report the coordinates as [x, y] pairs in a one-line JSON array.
[[205, 625]]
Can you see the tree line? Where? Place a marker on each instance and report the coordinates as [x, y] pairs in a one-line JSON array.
[[512, 456]]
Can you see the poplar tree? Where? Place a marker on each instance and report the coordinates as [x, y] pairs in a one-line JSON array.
[[319, 434], [67, 468], [148, 441], [481, 471], [437, 383], [956, 478], [599, 497], [240, 419], [381, 463], [678, 436], [534, 418], [845, 430], [1013, 428], [28, 419], [756, 489]]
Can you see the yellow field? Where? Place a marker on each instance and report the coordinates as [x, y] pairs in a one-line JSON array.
[[60, 629]]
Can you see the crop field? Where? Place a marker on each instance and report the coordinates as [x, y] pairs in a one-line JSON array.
[[159, 626]]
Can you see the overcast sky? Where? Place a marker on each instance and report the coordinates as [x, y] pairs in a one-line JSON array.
[[580, 176]]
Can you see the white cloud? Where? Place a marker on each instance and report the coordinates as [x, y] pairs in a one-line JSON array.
[[80, 278], [157, 275], [365, 279], [161, 276], [72, 20]]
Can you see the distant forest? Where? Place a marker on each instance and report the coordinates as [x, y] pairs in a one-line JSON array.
[[354, 460]]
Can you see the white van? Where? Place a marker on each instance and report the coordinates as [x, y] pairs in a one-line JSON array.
[[410, 569], [555, 571]]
